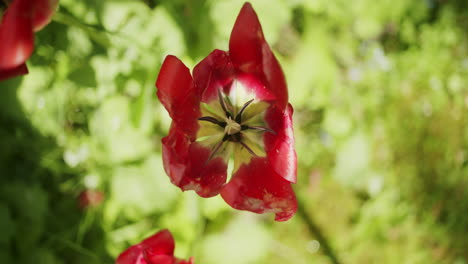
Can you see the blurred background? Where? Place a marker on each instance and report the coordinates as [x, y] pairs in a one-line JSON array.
[[380, 91]]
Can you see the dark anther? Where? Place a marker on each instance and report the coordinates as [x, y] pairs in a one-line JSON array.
[[3, 6], [239, 115], [223, 104], [5, 3], [213, 120], [259, 128], [228, 136], [233, 138], [247, 148], [215, 150]]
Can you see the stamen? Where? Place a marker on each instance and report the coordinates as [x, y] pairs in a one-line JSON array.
[[260, 128], [232, 125], [247, 148], [4, 4], [239, 115], [212, 120], [215, 150], [223, 104]]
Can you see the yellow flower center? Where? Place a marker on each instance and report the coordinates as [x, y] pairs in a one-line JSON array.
[[229, 127]]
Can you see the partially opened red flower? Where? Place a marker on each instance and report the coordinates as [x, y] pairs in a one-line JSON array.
[[20, 20], [157, 249], [236, 104]]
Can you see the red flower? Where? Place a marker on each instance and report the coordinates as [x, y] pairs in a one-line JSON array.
[[236, 102], [157, 249], [21, 19], [90, 198]]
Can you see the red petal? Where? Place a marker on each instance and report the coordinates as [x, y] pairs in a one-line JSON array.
[[280, 147], [212, 73], [16, 34], [10, 73], [161, 243], [133, 255], [217, 72], [190, 261], [186, 164], [256, 87], [256, 187], [161, 259], [177, 93], [43, 13], [250, 53]]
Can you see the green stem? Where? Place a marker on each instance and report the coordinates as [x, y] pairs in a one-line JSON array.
[[318, 234], [97, 34], [202, 223], [76, 247]]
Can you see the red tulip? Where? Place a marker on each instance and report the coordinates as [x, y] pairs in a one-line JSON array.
[[19, 22], [235, 103], [157, 249]]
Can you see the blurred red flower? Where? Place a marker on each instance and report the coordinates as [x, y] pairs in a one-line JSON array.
[[90, 198], [157, 249], [19, 22], [236, 102]]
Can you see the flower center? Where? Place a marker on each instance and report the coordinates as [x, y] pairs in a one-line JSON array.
[[3, 7], [233, 124], [4, 4], [232, 127]]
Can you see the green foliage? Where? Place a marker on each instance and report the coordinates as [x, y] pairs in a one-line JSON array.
[[380, 90]]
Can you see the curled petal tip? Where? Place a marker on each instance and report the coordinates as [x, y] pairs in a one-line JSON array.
[[43, 13]]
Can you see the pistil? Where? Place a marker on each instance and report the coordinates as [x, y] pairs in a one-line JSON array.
[[232, 125]]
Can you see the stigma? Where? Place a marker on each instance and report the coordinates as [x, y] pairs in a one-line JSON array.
[[232, 127]]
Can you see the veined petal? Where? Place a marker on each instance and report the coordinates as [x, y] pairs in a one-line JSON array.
[[176, 91], [280, 146], [249, 86], [16, 34], [43, 13], [13, 72], [212, 73], [187, 164], [256, 187], [251, 54]]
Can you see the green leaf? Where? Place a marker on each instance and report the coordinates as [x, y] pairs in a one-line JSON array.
[[7, 225]]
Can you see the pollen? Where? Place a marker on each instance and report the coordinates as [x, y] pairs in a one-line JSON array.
[[232, 127]]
